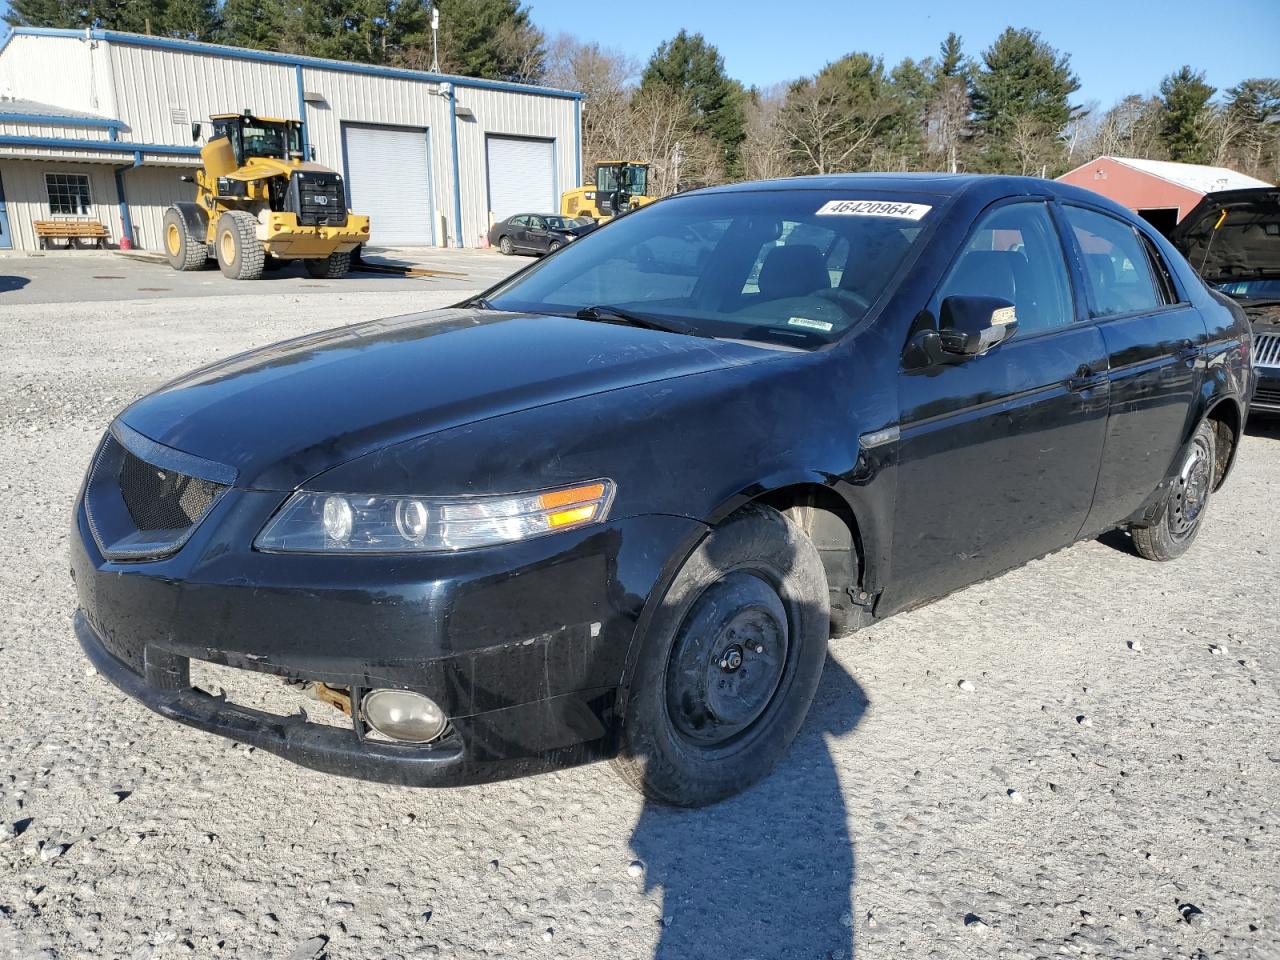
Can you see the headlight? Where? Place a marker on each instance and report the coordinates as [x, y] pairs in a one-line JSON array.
[[358, 523]]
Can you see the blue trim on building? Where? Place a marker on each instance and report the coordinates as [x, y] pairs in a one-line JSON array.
[[431, 190], [6, 239], [302, 113], [457, 169], [577, 143], [59, 120], [126, 221], [290, 60], [113, 146]]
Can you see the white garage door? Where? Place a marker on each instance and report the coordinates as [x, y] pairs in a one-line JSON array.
[[389, 178], [521, 177]]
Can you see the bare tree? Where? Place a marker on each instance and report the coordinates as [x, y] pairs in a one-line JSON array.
[[947, 121], [766, 152], [826, 129]]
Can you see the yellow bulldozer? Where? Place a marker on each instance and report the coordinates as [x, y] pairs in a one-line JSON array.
[[260, 202], [621, 185]]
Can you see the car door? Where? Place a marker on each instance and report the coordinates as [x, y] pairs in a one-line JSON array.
[[539, 236], [517, 231], [1155, 345], [999, 453]]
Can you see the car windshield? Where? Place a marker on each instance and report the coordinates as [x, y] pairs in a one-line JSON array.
[[1252, 289], [795, 267]]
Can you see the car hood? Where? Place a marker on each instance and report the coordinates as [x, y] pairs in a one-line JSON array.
[[1233, 235], [281, 414]]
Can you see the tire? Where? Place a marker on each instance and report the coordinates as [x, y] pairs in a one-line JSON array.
[[240, 254], [728, 664], [183, 251], [1183, 511], [333, 267], [504, 244], [555, 245]]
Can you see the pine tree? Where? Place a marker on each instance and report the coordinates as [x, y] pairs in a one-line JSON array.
[[260, 25], [65, 14], [1021, 95], [490, 38], [689, 67], [191, 19], [1187, 115]]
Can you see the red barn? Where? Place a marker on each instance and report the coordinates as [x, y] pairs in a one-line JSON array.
[[1160, 191]]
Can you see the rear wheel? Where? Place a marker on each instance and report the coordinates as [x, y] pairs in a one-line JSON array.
[[240, 253], [505, 246], [729, 663], [1180, 518], [183, 251], [333, 267]]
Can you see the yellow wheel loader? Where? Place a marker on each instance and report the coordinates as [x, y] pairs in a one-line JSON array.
[[621, 185], [260, 202]]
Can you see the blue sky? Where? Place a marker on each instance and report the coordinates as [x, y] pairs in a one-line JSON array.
[[1116, 46]]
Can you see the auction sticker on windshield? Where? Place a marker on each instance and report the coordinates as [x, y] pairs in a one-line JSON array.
[[874, 208]]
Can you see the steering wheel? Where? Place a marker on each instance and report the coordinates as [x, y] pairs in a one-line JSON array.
[[846, 299]]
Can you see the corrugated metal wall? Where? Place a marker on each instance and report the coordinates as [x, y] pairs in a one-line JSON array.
[[161, 92], [58, 132], [150, 190], [68, 72], [157, 93], [27, 199], [512, 114]]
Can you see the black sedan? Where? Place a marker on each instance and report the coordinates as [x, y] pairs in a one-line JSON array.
[[611, 509], [537, 232]]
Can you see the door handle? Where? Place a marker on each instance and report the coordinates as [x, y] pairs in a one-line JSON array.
[[1085, 379], [1189, 351]]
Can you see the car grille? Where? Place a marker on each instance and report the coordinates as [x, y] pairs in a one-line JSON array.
[[320, 199], [139, 509], [162, 499], [1266, 350]]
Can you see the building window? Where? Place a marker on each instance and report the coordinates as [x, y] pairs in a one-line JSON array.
[[68, 193]]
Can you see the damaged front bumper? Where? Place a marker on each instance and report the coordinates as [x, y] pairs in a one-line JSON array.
[[523, 646]]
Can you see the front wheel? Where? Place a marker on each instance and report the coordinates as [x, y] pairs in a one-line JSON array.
[[333, 267], [555, 245], [729, 663], [240, 253], [1180, 518]]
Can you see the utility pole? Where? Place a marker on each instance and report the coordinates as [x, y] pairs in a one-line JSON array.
[[435, 46]]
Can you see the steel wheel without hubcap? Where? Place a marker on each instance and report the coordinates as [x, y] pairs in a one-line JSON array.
[[1191, 490], [173, 239], [728, 660], [228, 247]]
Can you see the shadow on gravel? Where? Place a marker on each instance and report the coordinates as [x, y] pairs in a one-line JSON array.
[[9, 283], [1119, 540], [768, 873], [1260, 426]]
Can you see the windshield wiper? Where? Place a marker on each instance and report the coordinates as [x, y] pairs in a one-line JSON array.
[[603, 313], [480, 303]]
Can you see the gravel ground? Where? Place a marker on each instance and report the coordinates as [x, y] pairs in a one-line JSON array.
[[1079, 758]]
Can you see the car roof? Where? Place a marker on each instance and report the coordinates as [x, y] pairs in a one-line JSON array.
[[988, 187]]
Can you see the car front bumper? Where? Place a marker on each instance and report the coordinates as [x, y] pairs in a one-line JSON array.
[[1266, 391], [525, 646]]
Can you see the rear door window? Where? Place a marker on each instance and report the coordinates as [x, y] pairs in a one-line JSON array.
[[1117, 267]]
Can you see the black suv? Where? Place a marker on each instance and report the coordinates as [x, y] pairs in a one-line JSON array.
[[612, 507]]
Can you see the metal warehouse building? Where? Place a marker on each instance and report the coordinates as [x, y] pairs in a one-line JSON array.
[[97, 125]]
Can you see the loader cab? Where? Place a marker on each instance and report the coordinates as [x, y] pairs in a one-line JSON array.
[[252, 136], [617, 183]]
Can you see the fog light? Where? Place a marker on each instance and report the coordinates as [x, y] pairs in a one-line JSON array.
[[404, 715]]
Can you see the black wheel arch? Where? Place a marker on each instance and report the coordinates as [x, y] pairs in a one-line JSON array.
[[195, 218]]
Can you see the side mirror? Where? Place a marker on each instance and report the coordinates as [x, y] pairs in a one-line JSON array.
[[967, 327], [196, 129], [186, 178]]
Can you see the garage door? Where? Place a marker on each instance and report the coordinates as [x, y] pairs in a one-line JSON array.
[[521, 176], [389, 178]]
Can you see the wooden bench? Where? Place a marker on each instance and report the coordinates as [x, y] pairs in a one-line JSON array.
[[72, 231]]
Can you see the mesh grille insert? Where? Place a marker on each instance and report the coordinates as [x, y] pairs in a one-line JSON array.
[[162, 499]]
